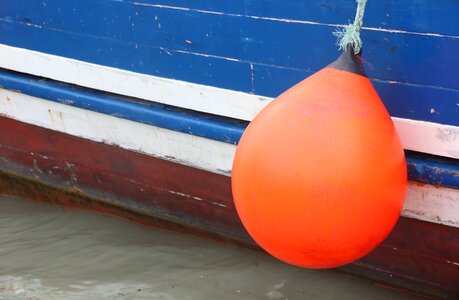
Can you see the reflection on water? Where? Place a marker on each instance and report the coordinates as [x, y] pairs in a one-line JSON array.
[[48, 252]]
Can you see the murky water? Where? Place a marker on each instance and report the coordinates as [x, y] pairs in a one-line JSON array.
[[48, 252]]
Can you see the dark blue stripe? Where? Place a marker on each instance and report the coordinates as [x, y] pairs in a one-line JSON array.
[[422, 168], [225, 130], [438, 171]]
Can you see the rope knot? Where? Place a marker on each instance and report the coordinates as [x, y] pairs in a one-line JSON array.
[[350, 35]]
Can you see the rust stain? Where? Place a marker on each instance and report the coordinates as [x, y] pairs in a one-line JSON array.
[[50, 113], [62, 121], [421, 183], [417, 183]]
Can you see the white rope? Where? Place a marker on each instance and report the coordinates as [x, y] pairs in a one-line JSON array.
[[350, 35]]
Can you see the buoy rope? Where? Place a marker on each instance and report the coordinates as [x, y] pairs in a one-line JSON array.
[[350, 35]]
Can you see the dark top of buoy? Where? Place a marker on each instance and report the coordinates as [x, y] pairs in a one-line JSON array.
[[348, 61]]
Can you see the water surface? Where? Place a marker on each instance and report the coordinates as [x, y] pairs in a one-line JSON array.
[[49, 252]]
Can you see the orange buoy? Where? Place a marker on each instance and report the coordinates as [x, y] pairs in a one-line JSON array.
[[319, 176]]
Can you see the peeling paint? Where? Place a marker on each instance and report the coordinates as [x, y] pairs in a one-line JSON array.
[[205, 55], [66, 101], [35, 166], [72, 174], [217, 204], [447, 135], [185, 195]]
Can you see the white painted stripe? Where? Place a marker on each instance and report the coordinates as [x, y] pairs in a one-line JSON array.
[[168, 91], [163, 143], [428, 137], [428, 203], [420, 136], [432, 204]]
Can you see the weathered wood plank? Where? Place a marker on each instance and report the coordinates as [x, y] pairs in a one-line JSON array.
[[396, 56], [156, 61], [421, 16], [417, 16]]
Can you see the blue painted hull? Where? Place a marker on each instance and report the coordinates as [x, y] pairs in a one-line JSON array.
[[260, 47]]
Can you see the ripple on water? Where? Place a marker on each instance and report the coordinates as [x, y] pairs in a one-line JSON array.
[[48, 252]]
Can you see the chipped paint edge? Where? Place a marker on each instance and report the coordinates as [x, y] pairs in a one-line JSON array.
[[427, 137], [423, 202]]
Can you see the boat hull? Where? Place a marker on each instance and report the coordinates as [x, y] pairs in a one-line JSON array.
[[45, 165]]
